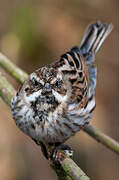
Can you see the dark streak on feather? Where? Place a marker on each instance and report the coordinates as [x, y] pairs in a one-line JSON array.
[[69, 71], [92, 109], [74, 58]]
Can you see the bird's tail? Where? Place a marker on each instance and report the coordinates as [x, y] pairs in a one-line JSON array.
[[94, 36]]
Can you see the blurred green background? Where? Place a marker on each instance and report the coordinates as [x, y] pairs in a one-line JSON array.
[[34, 33]]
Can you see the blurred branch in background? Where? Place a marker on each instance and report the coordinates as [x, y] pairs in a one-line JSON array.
[[66, 169], [102, 138], [13, 70], [20, 76]]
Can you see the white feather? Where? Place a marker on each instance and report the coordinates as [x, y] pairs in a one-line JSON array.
[[59, 97], [32, 97]]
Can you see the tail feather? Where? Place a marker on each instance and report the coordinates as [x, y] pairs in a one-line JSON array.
[[94, 36]]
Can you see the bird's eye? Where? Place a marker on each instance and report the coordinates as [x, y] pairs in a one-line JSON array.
[[58, 83], [35, 82]]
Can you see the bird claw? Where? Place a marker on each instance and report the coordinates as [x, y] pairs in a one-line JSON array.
[[60, 152]]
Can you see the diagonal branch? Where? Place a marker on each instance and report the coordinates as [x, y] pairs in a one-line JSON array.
[[12, 69], [102, 138], [99, 136], [7, 92]]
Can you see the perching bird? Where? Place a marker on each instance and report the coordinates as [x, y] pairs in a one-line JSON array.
[[57, 100]]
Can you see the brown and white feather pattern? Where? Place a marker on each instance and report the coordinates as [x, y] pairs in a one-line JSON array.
[[81, 104], [58, 99]]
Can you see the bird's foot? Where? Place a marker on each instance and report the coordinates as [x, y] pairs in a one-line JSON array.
[[60, 152]]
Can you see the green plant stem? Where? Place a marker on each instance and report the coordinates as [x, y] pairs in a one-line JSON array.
[[12, 69], [73, 170], [102, 138], [6, 90], [68, 169], [20, 76]]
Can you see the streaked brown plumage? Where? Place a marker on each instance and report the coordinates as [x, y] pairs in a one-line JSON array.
[[58, 99]]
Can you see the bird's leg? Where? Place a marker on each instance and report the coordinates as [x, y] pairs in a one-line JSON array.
[[43, 148], [55, 151]]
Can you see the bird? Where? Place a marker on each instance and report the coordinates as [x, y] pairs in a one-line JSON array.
[[57, 100]]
